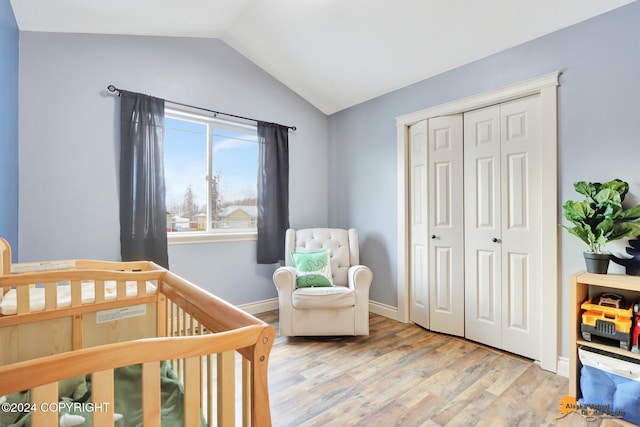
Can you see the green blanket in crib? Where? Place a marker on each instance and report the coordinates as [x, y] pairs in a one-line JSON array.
[[75, 400]]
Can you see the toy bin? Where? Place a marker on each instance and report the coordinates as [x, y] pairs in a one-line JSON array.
[[610, 384], [607, 321]]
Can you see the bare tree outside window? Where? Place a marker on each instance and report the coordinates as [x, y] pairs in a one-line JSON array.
[[216, 199]]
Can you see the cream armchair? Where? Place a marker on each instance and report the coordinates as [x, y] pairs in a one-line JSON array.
[[342, 309]]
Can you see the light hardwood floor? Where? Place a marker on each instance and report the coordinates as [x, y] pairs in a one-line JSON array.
[[403, 375]]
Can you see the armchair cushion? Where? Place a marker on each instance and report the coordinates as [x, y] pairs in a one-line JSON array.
[[333, 297], [313, 269]]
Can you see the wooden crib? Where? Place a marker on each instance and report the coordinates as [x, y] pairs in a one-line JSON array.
[[133, 314]]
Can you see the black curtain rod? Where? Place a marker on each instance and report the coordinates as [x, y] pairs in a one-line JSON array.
[[113, 89]]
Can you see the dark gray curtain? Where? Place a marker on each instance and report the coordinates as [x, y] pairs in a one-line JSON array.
[[143, 213], [273, 191]]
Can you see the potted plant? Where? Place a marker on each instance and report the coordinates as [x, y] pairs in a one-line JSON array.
[[601, 218]]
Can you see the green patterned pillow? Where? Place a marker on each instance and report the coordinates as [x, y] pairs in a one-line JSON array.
[[313, 269]]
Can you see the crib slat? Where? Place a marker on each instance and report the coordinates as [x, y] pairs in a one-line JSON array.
[[50, 296], [142, 288], [121, 289], [180, 332], [226, 388], [22, 299], [76, 293], [99, 290], [246, 392], [77, 332], [161, 315], [192, 373], [151, 394], [169, 322], [178, 321], [184, 323], [209, 389], [102, 394], [43, 397]]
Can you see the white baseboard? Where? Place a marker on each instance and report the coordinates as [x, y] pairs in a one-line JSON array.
[[383, 310], [260, 306], [563, 367]]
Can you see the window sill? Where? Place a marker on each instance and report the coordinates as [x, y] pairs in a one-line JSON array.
[[195, 237]]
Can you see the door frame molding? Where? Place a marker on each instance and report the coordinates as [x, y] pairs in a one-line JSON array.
[[545, 86]]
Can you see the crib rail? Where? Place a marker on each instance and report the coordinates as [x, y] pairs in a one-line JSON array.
[[39, 375], [194, 329], [81, 264]]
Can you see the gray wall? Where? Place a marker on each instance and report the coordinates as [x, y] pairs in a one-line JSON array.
[[598, 134], [69, 145], [9, 37]]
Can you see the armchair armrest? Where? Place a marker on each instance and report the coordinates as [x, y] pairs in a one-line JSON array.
[[285, 279], [359, 277]]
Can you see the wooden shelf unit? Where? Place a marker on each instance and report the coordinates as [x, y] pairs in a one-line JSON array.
[[583, 286]]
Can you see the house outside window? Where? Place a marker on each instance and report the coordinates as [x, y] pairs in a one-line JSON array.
[[211, 170]]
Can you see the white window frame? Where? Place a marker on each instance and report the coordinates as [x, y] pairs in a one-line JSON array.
[[181, 112]]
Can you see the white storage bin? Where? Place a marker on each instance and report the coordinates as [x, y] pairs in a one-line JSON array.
[[610, 384]]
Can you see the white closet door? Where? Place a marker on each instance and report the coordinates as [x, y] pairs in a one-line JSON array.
[[521, 207], [419, 243], [446, 231], [483, 229], [502, 223]]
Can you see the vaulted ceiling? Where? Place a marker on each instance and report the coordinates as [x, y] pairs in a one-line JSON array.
[[333, 53]]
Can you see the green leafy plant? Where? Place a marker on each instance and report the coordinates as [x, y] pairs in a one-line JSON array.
[[600, 217]]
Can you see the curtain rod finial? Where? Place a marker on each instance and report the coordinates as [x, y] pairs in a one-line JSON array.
[[112, 88]]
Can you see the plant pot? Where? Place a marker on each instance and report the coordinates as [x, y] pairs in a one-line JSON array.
[[597, 263]]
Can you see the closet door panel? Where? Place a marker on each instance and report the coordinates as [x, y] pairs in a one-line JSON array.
[[419, 219], [521, 248], [482, 226], [446, 225]]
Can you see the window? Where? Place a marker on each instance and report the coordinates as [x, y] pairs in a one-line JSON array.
[[211, 170]]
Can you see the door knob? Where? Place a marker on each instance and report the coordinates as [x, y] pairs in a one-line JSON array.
[[433, 236], [494, 240]]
